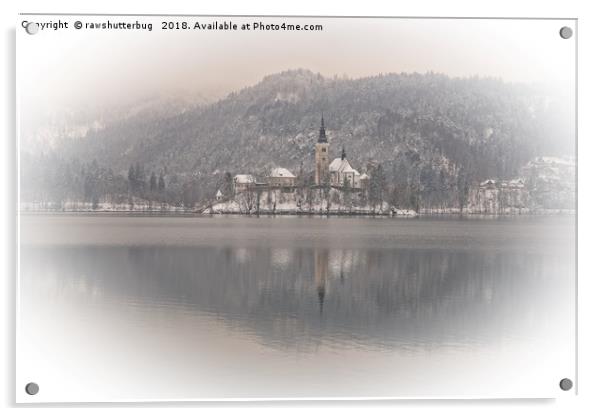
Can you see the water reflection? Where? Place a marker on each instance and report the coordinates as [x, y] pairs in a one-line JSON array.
[[320, 274], [294, 307], [307, 296]]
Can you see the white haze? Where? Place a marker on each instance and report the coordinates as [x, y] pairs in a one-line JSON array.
[[71, 70]]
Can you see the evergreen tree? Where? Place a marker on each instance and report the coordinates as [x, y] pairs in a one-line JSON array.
[[161, 184], [228, 185], [415, 196], [377, 187], [139, 177], [153, 182], [347, 193], [463, 187], [132, 178]]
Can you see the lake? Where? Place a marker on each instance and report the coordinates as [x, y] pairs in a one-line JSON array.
[[117, 307]]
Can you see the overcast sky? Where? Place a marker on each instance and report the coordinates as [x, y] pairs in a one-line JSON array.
[[62, 68]]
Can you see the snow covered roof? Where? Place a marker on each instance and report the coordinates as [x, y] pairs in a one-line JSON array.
[[341, 166], [517, 182], [281, 173], [555, 160], [364, 176], [219, 193], [488, 182], [244, 178], [335, 164]]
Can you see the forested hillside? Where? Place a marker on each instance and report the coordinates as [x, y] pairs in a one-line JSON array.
[[434, 136]]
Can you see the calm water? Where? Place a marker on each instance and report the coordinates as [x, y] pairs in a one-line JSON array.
[[188, 307]]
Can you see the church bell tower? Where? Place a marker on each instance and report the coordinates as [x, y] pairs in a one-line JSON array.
[[322, 160]]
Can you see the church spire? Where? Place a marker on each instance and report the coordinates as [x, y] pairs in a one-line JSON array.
[[343, 154], [322, 138]]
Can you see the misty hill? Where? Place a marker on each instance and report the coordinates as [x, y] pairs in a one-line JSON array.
[[429, 130], [43, 129]]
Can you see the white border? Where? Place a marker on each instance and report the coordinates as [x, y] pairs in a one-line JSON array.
[[589, 153]]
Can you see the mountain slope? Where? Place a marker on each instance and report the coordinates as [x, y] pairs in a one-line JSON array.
[[427, 129]]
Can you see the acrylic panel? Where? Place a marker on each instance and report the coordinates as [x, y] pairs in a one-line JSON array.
[[239, 207]]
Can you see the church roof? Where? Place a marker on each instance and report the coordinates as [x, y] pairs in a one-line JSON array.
[[335, 164], [341, 166], [281, 173]]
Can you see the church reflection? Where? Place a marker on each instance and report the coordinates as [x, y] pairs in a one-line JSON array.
[[321, 274], [300, 295], [329, 264]]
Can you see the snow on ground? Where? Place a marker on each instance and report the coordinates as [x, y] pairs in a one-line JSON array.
[[76, 206], [293, 202]]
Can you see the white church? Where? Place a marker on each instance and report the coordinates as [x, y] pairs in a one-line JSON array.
[[339, 172]]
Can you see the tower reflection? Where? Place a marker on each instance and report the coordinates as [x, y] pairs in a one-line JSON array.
[[320, 274]]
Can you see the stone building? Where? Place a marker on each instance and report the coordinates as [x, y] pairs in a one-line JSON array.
[[281, 177], [488, 197], [243, 182], [502, 197], [513, 195]]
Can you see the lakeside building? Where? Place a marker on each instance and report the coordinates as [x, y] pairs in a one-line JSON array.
[[243, 182], [281, 177], [495, 197]]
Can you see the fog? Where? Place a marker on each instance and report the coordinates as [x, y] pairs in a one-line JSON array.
[[70, 68]]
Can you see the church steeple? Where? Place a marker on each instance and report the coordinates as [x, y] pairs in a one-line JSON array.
[[322, 177], [343, 154], [322, 138]]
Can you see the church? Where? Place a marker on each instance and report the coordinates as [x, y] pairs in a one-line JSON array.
[[339, 172]]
